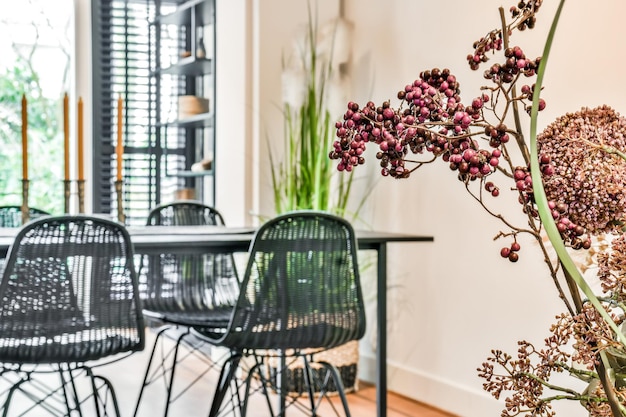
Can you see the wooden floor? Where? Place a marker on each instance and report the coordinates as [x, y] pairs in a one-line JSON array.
[[363, 404], [127, 374]]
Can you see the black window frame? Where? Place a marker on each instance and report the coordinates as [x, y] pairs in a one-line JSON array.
[[117, 45]]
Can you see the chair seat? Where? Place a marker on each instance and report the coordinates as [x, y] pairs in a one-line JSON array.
[[216, 317], [315, 337], [63, 348], [47, 327]]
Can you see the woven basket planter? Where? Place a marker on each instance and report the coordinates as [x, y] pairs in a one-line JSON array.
[[344, 357]]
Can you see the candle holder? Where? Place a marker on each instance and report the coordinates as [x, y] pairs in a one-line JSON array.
[[81, 196], [120, 207], [67, 185], [25, 214]]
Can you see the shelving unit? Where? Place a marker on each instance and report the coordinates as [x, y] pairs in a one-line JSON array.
[[179, 69]]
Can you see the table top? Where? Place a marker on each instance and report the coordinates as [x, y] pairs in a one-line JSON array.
[[148, 238], [235, 236]]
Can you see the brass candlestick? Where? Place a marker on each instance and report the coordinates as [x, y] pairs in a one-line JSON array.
[[120, 207], [81, 196], [67, 185], [25, 214]]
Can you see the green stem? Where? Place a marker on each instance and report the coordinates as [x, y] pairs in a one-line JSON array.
[[572, 271], [616, 407], [572, 393], [540, 195]]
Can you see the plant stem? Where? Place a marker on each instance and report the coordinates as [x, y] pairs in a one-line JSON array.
[[518, 124], [572, 272]]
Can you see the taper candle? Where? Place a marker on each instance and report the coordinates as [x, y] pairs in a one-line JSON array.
[[66, 136], [119, 149], [24, 138], [81, 172]]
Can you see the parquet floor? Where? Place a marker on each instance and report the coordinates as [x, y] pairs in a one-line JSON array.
[[362, 403], [195, 399]]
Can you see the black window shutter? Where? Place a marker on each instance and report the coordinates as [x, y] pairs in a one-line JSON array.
[[122, 44], [120, 48]]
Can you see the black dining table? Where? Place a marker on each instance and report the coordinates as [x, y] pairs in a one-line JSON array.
[[204, 239]]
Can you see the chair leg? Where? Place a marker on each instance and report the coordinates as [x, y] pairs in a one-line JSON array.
[[148, 378], [64, 385], [282, 384], [59, 400], [145, 382], [108, 386], [227, 374], [7, 401], [264, 384], [309, 384], [170, 385], [102, 399], [332, 369]]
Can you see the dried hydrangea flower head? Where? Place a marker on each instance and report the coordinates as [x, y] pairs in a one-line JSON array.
[[612, 269], [588, 181]]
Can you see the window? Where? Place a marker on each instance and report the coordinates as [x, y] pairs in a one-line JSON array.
[[123, 44], [35, 46], [120, 48]]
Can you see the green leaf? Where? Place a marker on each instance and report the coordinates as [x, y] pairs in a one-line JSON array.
[[306, 177], [540, 195]]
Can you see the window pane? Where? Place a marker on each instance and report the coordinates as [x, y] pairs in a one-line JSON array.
[[157, 156], [36, 48]]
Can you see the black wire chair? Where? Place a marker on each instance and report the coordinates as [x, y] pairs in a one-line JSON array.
[[180, 291], [11, 216], [300, 295], [68, 303]]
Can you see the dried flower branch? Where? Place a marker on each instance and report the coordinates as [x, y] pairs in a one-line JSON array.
[[570, 183]]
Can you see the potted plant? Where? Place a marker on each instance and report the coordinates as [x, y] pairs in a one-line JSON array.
[[305, 177]]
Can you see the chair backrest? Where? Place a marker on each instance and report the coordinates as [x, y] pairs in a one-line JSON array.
[[69, 281], [184, 213], [11, 216], [191, 283], [301, 288]]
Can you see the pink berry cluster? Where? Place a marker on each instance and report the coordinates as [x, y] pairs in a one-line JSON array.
[[528, 93], [431, 119], [490, 43], [523, 15], [434, 121], [525, 11], [511, 253], [571, 232], [515, 64], [435, 97], [497, 135], [473, 163]]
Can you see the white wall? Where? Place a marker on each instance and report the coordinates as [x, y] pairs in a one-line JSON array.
[[451, 301], [235, 147]]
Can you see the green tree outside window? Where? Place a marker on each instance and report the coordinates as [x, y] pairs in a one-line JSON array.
[[36, 62]]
